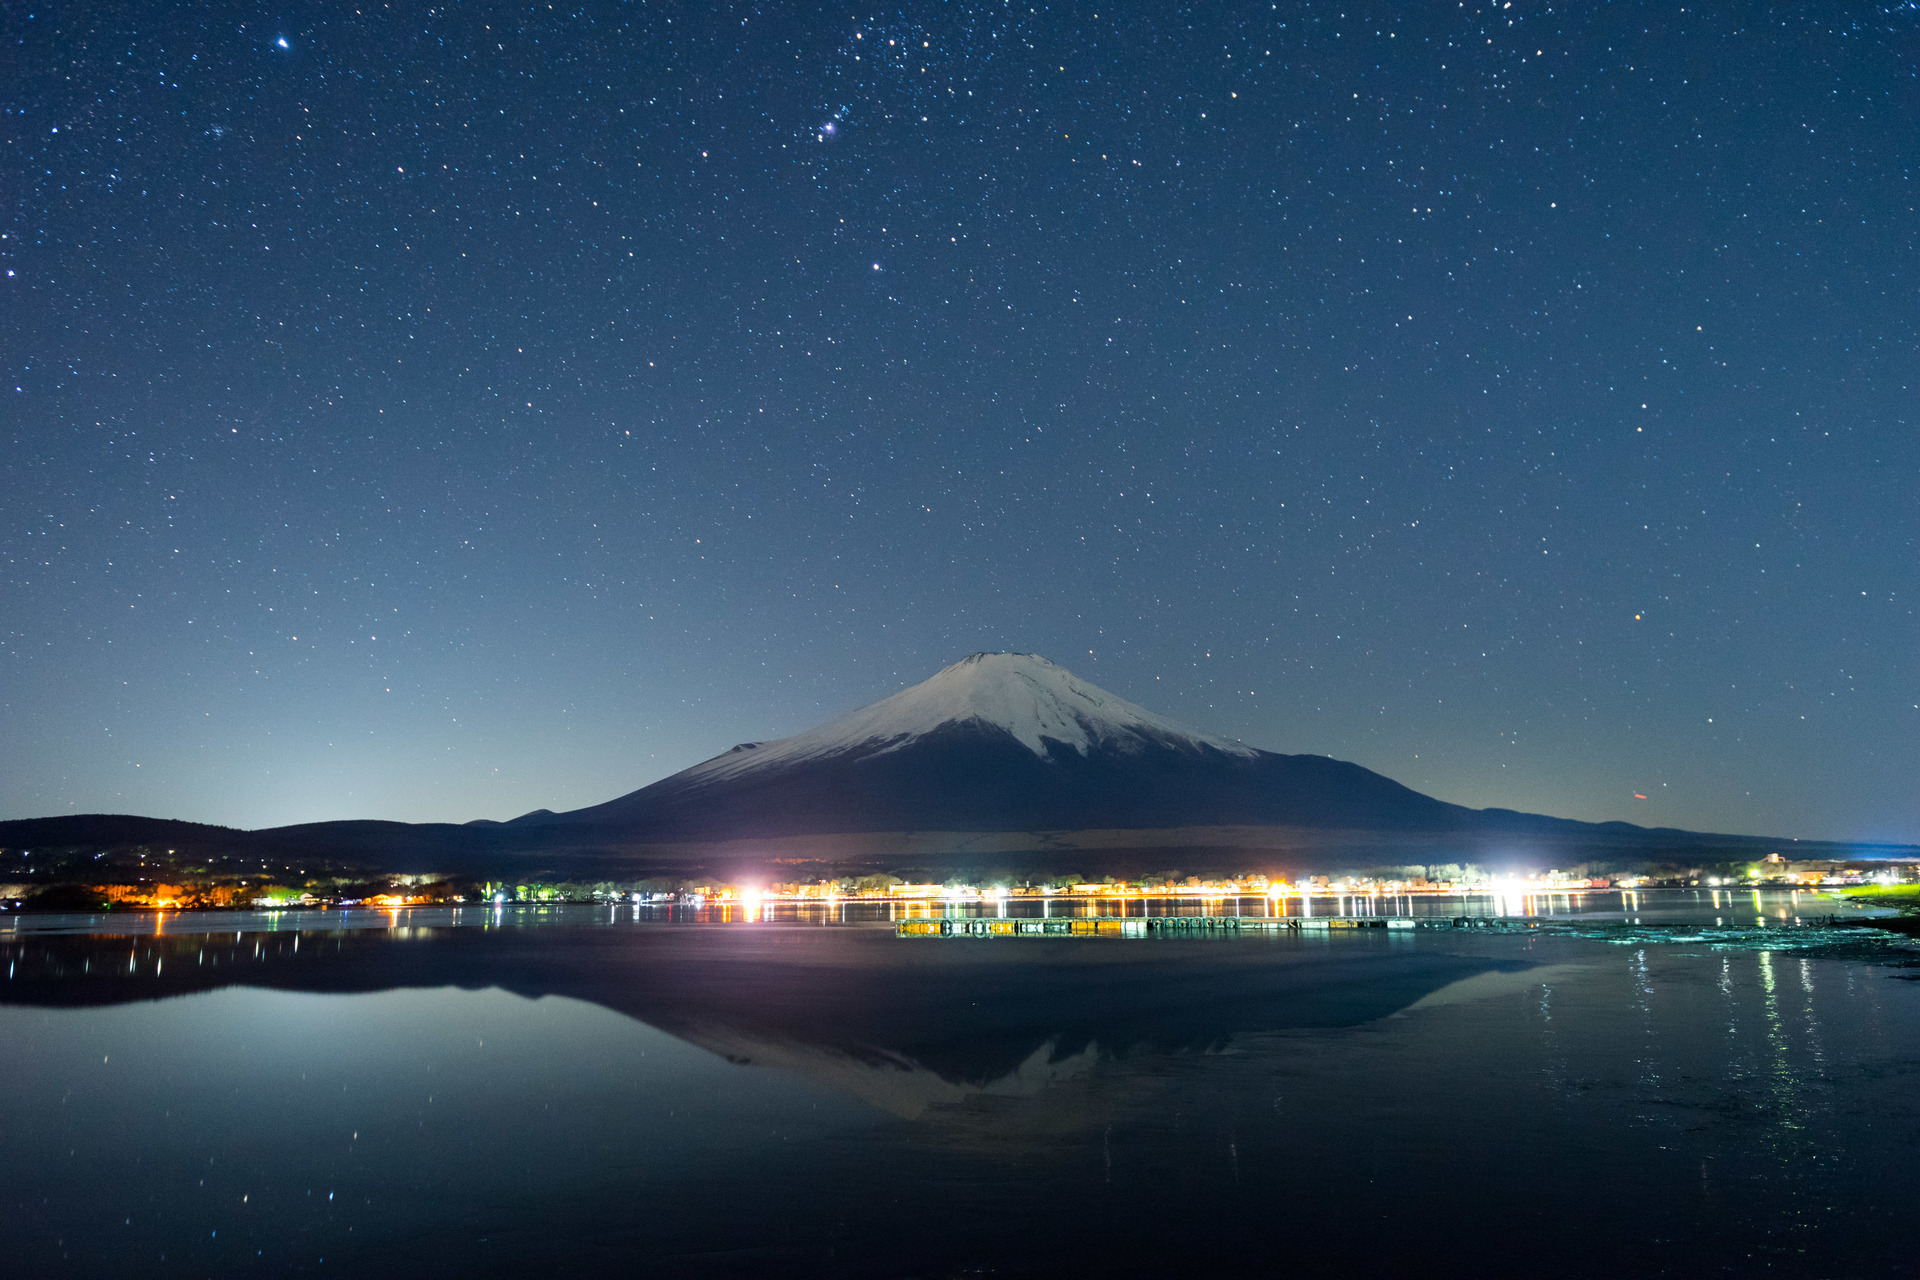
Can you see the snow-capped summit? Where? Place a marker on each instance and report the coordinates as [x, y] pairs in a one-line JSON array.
[[1043, 707], [1002, 742]]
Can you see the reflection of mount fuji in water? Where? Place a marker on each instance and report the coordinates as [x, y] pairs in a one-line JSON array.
[[901, 1024]]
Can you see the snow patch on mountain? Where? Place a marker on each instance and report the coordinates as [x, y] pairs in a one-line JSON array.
[[1022, 694]]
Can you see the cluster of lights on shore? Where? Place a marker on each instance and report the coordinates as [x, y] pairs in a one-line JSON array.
[[754, 896], [1359, 893]]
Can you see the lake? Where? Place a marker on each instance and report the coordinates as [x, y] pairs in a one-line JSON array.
[[1657, 1085]]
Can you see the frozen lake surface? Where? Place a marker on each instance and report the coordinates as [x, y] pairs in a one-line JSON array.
[[581, 1091]]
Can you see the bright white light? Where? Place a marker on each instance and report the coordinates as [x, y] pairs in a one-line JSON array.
[[282, 42]]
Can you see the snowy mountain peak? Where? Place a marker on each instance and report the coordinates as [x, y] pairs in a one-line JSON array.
[[1040, 705]]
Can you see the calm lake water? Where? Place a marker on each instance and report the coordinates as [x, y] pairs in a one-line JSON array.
[[580, 1091]]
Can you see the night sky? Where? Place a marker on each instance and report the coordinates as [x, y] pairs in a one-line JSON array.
[[439, 413]]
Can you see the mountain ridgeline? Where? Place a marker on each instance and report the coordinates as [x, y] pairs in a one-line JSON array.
[[1007, 742]]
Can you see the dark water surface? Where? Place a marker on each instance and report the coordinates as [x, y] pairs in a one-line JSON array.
[[585, 1093]]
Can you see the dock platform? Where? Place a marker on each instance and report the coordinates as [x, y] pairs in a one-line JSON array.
[[1155, 926]]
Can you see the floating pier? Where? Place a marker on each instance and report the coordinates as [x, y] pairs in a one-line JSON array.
[[1235, 926], [1154, 926]]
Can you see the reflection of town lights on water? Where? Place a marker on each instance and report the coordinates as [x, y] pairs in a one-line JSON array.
[[1511, 898]]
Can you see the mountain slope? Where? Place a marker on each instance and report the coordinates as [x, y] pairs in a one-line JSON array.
[[1043, 707], [1006, 742]]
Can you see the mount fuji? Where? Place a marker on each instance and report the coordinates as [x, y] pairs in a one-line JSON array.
[[1005, 742], [1001, 755]]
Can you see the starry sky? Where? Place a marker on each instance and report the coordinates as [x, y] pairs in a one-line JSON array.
[[441, 412]]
